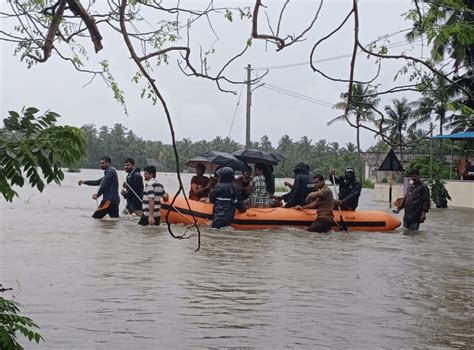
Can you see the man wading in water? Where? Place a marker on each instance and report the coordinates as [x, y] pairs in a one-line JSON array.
[[416, 203], [132, 188], [108, 189], [322, 199]]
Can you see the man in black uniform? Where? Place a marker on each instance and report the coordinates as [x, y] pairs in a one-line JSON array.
[[226, 198], [132, 189], [300, 188], [416, 203], [349, 189]]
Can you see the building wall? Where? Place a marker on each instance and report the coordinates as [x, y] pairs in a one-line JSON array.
[[461, 192], [381, 192]]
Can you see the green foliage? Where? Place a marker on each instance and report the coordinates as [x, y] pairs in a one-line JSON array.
[[33, 148], [281, 189], [437, 189], [11, 323], [422, 164], [367, 184], [120, 143], [118, 94]]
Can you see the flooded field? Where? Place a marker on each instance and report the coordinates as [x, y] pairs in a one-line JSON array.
[[102, 284]]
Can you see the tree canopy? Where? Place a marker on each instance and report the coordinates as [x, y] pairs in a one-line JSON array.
[[33, 149]]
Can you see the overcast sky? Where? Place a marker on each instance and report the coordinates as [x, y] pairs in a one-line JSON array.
[[199, 110]]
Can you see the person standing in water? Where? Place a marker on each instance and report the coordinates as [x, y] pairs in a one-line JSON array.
[[108, 189], [226, 197], [152, 195], [322, 200], [416, 203], [132, 190]]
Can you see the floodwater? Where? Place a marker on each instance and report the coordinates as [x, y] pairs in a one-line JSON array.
[[103, 284]]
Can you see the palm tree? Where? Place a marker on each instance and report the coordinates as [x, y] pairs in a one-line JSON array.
[[448, 27], [434, 101], [361, 107], [461, 122], [396, 120], [285, 144], [265, 143]]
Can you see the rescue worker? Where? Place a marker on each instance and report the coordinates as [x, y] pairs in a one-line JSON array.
[[300, 188], [226, 198], [416, 203], [132, 190], [349, 189], [108, 189], [321, 199]]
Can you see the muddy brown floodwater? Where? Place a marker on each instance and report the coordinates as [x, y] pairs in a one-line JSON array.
[[102, 284]]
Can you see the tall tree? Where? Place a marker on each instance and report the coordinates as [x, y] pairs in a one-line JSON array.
[[360, 107], [396, 120], [265, 143], [435, 101]]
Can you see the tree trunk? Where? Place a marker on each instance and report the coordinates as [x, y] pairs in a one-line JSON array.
[[358, 133], [441, 151]]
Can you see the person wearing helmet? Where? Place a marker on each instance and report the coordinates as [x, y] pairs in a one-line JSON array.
[[349, 189], [300, 188], [226, 197]]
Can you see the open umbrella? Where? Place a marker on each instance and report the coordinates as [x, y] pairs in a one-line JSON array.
[[214, 159], [257, 156]]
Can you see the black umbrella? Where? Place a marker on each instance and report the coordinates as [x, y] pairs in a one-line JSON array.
[[256, 156], [214, 159]]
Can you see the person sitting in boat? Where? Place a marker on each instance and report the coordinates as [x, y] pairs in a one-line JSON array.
[[300, 188], [322, 200], [200, 184], [243, 183], [349, 189], [226, 198], [152, 195], [259, 196]]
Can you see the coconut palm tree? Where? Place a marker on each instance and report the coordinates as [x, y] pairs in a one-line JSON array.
[[361, 107], [396, 120], [285, 144], [265, 143], [460, 122], [448, 27], [434, 101]]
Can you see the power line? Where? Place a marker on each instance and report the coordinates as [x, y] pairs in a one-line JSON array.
[[291, 65], [328, 104], [298, 96], [235, 111]]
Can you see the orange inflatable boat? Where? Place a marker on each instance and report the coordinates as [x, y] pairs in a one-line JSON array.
[[265, 218]]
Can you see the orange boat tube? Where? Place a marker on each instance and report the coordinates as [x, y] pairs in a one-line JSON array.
[[265, 218]]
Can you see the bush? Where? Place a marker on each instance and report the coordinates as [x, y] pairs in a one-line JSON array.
[[11, 323], [367, 184]]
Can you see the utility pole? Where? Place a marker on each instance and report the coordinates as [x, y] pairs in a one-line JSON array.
[[249, 104]]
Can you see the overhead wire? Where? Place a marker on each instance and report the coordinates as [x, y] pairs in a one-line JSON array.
[[291, 65], [298, 95], [235, 111]]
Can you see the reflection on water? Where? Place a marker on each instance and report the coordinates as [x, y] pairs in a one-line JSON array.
[[116, 285]]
